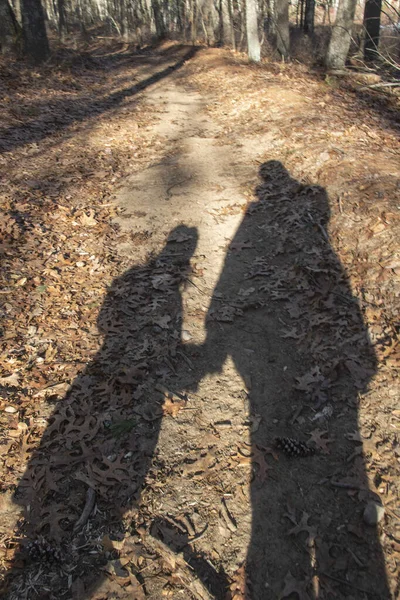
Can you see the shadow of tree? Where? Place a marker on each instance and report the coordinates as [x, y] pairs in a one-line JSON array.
[[64, 113]]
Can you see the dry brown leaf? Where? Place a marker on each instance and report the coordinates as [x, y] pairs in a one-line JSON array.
[[238, 589], [87, 219], [321, 443], [172, 407]]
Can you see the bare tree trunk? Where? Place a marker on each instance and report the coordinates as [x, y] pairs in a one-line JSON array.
[[9, 28], [372, 25], [207, 17], [282, 27], [253, 42], [193, 21], [301, 13], [341, 35], [309, 17], [271, 23], [227, 33], [62, 20], [36, 45], [158, 18]]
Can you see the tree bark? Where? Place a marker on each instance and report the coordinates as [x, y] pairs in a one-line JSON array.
[[9, 28], [158, 19], [253, 42], [193, 21], [62, 19], [341, 35], [309, 17], [372, 26], [271, 23], [282, 27], [227, 33], [36, 45]]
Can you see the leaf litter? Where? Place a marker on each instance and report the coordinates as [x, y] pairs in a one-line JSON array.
[[58, 241]]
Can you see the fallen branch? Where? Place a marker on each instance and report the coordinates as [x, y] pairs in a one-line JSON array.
[[344, 582], [346, 486], [381, 85], [87, 509], [182, 571]]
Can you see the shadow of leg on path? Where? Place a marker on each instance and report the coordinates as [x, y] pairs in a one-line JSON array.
[[284, 311], [100, 440]]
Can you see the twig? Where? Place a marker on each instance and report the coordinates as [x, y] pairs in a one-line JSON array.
[[178, 183], [322, 230], [346, 486], [180, 568], [87, 509], [229, 520], [355, 587], [186, 359], [198, 536]]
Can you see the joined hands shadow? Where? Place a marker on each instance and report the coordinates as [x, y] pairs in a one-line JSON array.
[[283, 311]]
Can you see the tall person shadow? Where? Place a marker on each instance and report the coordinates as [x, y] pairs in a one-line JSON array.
[[284, 312], [99, 443]]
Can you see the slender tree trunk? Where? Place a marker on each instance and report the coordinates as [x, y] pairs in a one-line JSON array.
[[341, 35], [17, 11], [205, 13], [372, 25], [62, 20], [301, 13], [193, 21], [226, 23], [282, 27], [9, 28], [36, 45], [309, 17], [271, 29], [158, 18], [323, 6], [253, 42]]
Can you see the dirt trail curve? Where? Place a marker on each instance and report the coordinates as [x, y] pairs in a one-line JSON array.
[[227, 427]]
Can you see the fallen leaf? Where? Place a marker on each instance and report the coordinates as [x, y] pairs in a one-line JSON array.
[[238, 589], [321, 443], [293, 586], [11, 380], [172, 407]]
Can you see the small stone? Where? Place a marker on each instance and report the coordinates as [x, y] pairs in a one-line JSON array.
[[373, 513], [186, 335], [10, 409]]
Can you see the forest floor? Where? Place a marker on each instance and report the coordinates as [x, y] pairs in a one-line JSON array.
[[200, 287]]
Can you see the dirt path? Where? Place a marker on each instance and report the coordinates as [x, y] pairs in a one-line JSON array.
[[226, 423], [262, 274]]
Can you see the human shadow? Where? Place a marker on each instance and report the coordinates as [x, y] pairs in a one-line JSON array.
[[283, 310], [100, 439]]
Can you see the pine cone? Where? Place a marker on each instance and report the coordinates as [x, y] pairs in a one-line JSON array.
[[41, 550], [293, 447]]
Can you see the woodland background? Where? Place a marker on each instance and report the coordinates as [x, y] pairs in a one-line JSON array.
[[316, 30]]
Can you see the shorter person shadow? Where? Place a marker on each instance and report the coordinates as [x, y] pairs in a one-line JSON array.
[[99, 444]]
